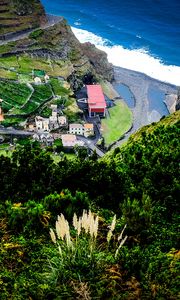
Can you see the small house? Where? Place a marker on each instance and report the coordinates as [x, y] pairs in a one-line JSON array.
[[46, 78], [88, 129], [31, 127], [36, 137], [76, 129], [42, 124], [62, 120], [37, 80], [69, 140], [54, 107]]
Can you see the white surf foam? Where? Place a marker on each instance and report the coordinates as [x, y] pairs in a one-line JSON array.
[[138, 59]]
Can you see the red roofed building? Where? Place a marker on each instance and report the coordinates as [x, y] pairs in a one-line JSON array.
[[96, 100]]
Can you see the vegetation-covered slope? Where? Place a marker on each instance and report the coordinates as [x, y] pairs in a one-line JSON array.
[[56, 51], [139, 182], [20, 15], [51, 50]]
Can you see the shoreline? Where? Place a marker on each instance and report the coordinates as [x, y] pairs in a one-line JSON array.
[[54, 16], [141, 74], [140, 84]]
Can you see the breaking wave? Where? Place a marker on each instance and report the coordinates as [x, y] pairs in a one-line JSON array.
[[136, 59]]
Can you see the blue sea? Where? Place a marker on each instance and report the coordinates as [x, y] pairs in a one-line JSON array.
[[141, 35]]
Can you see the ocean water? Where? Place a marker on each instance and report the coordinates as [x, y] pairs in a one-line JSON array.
[[141, 35]]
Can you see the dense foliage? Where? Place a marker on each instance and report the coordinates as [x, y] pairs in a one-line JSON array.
[[139, 183]]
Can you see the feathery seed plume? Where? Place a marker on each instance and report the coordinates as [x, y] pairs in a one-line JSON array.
[[52, 235], [96, 223], [120, 236], [109, 236], [79, 226], [113, 224], [121, 244], [75, 221]]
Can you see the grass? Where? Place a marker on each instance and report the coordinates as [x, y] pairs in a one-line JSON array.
[[57, 157], [41, 93], [119, 122], [58, 89], [9, 62], [5, 153], [12, 121], [24, 64], [7, 74], [15, 94], [4, 150], [7, 47]]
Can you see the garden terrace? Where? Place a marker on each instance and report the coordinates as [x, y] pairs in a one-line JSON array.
[[41, 94], [14, 94]]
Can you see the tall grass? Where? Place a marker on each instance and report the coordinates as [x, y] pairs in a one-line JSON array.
[[83, 251]]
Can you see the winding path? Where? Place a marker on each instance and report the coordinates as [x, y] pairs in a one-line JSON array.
[[52, 20]]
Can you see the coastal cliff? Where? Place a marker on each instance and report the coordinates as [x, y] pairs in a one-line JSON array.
[[51, 40], [19, 16]]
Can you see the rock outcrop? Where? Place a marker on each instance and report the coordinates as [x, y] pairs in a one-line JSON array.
[[98, 60], [178, 100]]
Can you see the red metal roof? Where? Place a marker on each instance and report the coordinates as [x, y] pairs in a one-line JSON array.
[[95, 97]]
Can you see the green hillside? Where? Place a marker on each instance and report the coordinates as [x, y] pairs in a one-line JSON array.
[[133, 255], [19, 15]]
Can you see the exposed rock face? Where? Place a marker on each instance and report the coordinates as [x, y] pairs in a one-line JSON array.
[[99, 60], [19, 16], [171, 100], [178, 100]]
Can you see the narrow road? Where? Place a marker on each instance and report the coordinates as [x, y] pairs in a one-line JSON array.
[[15, 132], [52, 20], [91, 145], [88, 142]]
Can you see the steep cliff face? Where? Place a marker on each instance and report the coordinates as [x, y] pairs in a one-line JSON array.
[[98, 59], [178, 100], [20, 15]]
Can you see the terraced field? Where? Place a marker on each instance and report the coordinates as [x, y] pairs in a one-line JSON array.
[[13, 94], [20, 99], [18, 16], [19, 67]]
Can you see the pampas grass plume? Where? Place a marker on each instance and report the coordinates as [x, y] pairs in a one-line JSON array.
[[52, 235]]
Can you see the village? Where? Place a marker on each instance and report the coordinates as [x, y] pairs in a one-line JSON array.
[[57, 126]]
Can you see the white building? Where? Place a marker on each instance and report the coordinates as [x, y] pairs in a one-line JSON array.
[[42, 124], [54, 107], [62, 120], [46, 78], [37, 80], [87, 129], [53, 118], [76, 129]]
